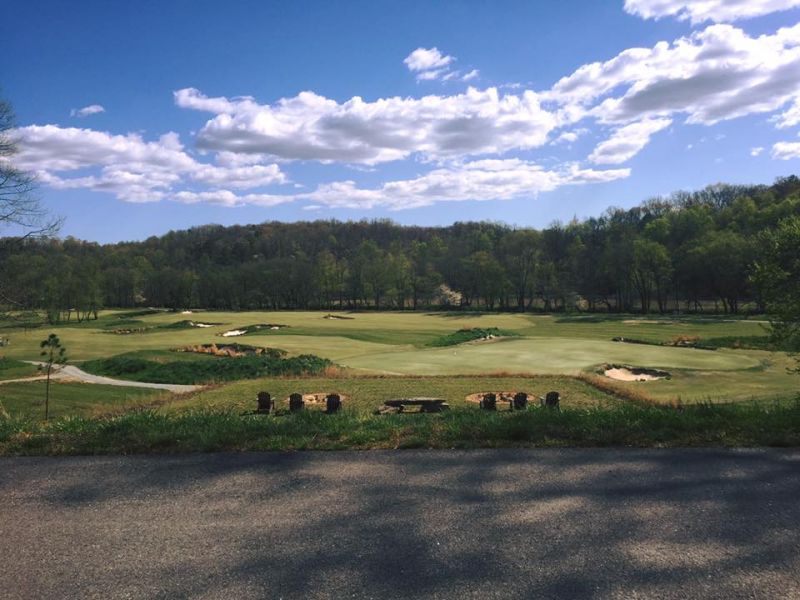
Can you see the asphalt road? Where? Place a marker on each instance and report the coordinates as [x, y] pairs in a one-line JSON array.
[[530, 524]]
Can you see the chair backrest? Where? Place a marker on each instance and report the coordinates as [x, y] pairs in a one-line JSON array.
[[296, 402], [264, 401], [489, 401], [552, 399], [333, 402]]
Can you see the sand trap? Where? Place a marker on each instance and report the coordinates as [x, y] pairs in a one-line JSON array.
[[202, 325], [634, 374], [337, 317], [186, 312], [234, 333]]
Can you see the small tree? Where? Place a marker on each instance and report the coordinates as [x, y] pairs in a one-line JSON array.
[[54, 354]]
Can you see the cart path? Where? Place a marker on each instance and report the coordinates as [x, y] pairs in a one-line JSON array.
[[73, 373], [461, 525]]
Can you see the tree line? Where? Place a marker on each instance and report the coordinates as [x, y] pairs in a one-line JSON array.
[[691, 251]]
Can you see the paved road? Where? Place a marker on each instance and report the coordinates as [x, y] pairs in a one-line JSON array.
[[73, 373], [415, 524]]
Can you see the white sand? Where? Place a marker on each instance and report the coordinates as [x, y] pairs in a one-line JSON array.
[[234, 332], [622, 374]]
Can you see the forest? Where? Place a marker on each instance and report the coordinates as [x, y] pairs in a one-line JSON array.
[[689, 252]]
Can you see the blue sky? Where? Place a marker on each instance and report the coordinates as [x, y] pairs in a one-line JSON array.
[[143, 117]]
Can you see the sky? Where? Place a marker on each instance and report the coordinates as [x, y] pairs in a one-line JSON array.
[[142, 117]]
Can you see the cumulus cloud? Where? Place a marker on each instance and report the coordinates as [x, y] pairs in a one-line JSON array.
[[312, 127], [717, 74], [428, 63], [86, 111], [756, 151], [468, 144], [489, 179], [126, 165], [786, 150], [697, 11], [626, 142]]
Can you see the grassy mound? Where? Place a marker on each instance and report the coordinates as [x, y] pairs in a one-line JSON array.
[[470, 335], [207, 431], [14, 369], [270, 363]]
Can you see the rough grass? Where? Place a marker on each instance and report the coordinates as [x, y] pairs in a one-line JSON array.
[[26, 399], [366, 393], [208, 431], [15, 369], [463, 336], [188, 371]]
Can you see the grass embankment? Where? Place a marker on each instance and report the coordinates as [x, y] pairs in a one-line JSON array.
[[15, 369], [25, 400], [462, 336], [207, 431], [194, 368], [366, 393]]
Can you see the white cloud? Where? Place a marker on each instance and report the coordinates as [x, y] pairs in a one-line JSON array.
[[697, 11], [476, 180], [312, 127], [86, 111], [717, 74], [428, 63], [125, 165], [469, 76], [756, 151], [626, 142], [568, 137], [786, 150]]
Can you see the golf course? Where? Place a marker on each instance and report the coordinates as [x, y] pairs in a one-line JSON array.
[[374, 356]]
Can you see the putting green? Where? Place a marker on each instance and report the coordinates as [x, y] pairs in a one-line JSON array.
[[547, 355]]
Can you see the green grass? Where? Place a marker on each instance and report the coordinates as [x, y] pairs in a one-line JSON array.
[[462, 336], [399, 342], [207, 431], [190, 370], [365, 394], [26, 399], [15, 369]]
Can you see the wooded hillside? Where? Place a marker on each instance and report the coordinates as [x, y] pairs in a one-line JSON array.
[[690, 251]]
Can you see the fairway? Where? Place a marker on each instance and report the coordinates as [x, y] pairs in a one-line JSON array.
[[403, 344], [548, 355]]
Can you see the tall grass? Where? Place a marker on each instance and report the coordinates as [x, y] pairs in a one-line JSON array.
[[744, 424]]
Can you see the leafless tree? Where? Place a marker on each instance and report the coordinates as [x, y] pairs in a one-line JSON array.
[[20, 207]]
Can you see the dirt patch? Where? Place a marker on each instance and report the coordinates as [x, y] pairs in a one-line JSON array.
[[229, 350], [501, 396], [626, 373], [318, 398]]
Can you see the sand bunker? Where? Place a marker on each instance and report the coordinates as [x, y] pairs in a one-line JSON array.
[[622, 373], [234, 333], [201, 325], [337, 317]]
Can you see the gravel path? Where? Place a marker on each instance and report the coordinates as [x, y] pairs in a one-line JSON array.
[[73, 373], [568, 523]]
